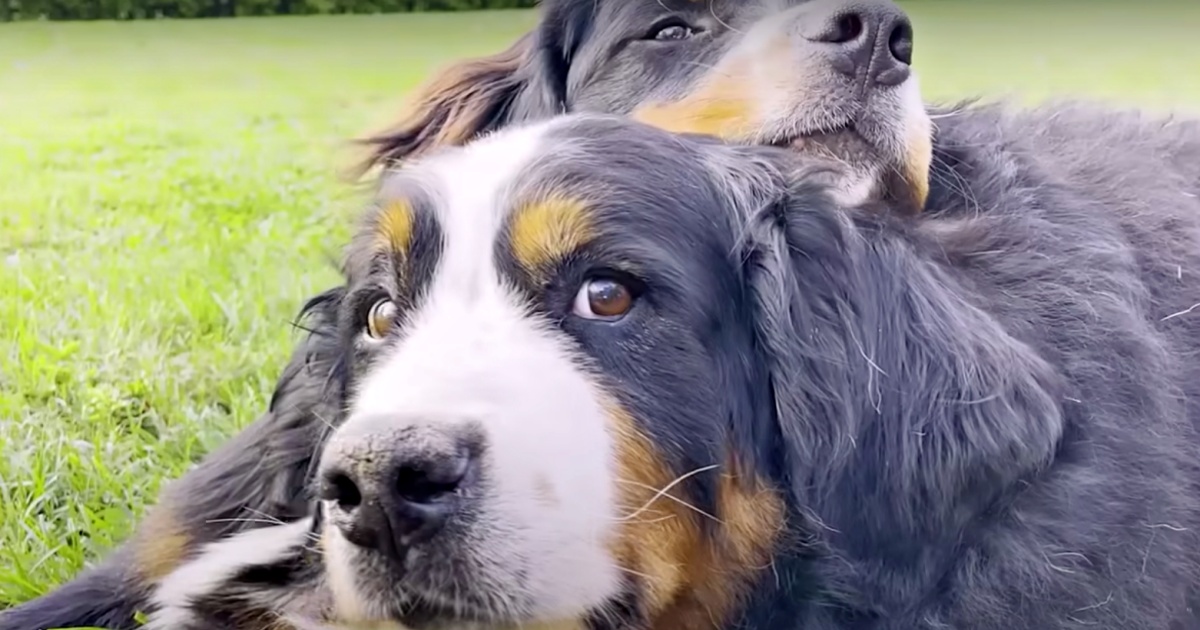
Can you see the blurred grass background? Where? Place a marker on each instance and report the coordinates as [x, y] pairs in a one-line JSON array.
[[168, 198]]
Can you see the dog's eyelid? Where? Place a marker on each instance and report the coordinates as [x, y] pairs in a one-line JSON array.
[[621, 274], [670, 21], [359, 302]]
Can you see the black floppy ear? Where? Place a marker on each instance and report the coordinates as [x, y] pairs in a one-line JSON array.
[[469, 98], [903, 407]]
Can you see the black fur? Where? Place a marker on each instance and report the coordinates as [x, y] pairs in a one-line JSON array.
[[1020, 448]]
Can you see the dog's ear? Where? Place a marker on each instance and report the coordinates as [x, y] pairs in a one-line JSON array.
[[902, 404], [467, 99]]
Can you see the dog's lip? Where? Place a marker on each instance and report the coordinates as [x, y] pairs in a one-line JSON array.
[[800, 140]]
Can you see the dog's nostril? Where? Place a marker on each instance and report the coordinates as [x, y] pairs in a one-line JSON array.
[[340, 488], [847, 28], [900, 42], [427, 484]]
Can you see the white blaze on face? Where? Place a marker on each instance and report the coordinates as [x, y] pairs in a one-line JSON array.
[[470, 354]]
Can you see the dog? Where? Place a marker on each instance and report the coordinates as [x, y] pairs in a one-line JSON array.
[[827, 78], [678, 73], [578, 399]]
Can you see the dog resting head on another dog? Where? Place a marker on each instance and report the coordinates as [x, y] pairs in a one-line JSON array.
[[822, 77], [579, 398]]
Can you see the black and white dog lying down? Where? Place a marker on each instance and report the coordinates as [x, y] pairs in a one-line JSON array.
[[599, 376]]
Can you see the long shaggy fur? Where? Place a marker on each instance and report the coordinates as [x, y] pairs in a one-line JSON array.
[[1035, 343]]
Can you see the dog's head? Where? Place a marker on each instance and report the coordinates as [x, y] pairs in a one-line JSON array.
[[825, 77], [600, 375], [548, 397]]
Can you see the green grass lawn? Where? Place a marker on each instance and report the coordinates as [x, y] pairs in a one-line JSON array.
[[168, 198]]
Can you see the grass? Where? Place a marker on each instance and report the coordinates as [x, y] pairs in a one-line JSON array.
[[168, 199]]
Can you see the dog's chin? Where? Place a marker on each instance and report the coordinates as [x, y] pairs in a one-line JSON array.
[[401, 612], [423, 615], [380, 597], [408, 611], [392, 604]]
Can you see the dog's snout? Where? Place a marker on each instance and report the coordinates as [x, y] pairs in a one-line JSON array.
[[872, 40], [389, 492]]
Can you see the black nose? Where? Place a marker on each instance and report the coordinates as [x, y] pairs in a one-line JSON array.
[[873, 40], [390, 502]]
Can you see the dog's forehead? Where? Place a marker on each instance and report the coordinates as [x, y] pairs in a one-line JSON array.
[[618, 151], [600, 10], [598, 160]]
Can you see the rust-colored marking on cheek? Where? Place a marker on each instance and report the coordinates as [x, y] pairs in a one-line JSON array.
[[724, 105], [918, 159], [658, 537], [394, 226], [723, 116], [545, 231], [162, 544], [689, 580]]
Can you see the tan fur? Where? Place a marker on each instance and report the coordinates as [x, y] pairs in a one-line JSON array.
[[162, 544], [722, 105], [919, 159], [545, 231], [690, 580], [727, 103], [394, 226]]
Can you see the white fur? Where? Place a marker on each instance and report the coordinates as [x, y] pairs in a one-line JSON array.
[[470, 354], [216, 563]]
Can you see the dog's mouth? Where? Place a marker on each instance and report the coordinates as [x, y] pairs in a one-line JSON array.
[[865, 160], [843, 142]]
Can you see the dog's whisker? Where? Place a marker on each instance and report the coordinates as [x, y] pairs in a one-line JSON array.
[[664, 492]]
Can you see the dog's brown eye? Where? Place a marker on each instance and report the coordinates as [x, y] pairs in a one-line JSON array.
[[673, 32], [381, 319], [603, 299]]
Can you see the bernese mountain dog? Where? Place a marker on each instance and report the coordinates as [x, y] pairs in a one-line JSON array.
[[829, 81], [577, 399]]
